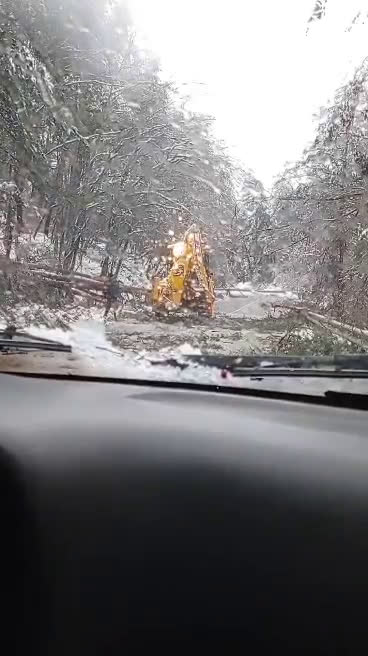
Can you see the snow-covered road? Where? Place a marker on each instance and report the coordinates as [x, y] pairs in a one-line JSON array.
[[245, 322]]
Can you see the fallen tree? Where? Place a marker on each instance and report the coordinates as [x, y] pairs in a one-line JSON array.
[[97, 288], [338, 329]]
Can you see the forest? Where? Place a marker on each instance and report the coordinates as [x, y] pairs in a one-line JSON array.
[[98, 152]]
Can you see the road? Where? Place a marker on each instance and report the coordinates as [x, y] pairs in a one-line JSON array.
[[242, 325], [222, 334]]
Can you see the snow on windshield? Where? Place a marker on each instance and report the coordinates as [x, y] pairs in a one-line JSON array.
[[122, 203]]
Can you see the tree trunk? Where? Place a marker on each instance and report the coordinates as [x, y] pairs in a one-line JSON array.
[[8, 231]]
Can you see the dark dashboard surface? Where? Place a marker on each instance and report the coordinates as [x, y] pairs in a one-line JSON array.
[[133, 510]]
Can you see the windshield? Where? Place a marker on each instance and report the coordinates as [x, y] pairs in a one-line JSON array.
[[186, 178]]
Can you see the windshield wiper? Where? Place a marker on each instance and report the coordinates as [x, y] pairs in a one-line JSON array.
[[260, 366], [13, 341]]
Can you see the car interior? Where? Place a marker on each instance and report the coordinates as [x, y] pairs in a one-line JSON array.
[[132, 511]]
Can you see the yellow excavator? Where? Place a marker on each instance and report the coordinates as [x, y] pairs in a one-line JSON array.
[[189, 283]]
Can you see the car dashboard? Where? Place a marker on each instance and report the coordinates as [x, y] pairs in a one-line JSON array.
[[133, 512]]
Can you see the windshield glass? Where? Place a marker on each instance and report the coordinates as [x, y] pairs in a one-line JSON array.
[[185, 178]]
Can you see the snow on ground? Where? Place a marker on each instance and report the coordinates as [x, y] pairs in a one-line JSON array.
[[141, 332], [34, 314], [94, 355]]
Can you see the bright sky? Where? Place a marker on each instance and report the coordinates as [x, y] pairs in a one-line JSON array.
[[251, 65]]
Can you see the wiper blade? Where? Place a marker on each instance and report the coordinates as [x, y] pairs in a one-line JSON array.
[[13, 341], [338, 366], [297, 373], [21, 346]]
